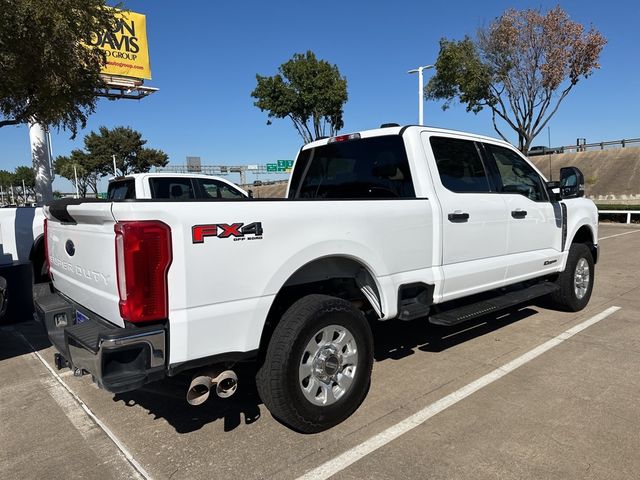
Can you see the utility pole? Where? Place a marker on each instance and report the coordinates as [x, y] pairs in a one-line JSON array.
[[115, 170], [549, 141]]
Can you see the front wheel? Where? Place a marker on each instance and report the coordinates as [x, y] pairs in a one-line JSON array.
[[576, 282], [318, 364]]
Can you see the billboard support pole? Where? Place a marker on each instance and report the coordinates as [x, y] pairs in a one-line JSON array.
[[40, 150]]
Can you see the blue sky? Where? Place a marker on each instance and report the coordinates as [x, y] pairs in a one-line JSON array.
[[205, 55]]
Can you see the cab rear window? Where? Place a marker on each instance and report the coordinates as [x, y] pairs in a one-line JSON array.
[[367, 168], [122, 189]]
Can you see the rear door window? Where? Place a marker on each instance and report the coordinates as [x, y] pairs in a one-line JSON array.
[[121, 189], [172, 188], [212, 188], [367, 168], [460, 165]]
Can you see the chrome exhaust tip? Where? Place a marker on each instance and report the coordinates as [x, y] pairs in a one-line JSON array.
[[226, 384]]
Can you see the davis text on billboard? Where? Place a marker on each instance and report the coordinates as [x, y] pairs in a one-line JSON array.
[[125, 47]]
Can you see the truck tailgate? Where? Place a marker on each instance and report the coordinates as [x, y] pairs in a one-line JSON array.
[[82, 258]]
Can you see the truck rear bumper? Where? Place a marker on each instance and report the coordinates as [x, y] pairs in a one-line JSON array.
[[119, 359]]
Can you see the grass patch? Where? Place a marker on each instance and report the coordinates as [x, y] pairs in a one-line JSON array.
[[617, 207]]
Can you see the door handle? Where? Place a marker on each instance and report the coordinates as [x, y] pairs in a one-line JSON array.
[[518, 213], [458, 217]]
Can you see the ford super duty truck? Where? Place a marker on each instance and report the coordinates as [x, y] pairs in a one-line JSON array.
[[393, 223]]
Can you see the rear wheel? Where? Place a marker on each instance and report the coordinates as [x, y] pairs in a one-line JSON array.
[[318, 364], [576, 282]]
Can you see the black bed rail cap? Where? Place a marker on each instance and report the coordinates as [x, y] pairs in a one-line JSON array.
[[58, 209]]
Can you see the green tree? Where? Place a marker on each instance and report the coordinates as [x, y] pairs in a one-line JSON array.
[[6, 180], [309, 91], [87, 170], [521, 67], [47, 72], [24, 179], [129, 148]]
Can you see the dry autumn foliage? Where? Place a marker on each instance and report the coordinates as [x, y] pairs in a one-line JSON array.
[[521, 66]]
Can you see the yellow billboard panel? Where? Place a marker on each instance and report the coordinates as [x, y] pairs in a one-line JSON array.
[[126, 46]]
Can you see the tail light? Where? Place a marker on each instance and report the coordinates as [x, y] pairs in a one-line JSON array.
[[143, 257], [46, 247]]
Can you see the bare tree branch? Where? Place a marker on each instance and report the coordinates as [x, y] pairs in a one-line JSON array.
[[5, 123]]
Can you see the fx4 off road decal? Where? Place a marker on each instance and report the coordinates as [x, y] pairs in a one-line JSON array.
[[237, 231]]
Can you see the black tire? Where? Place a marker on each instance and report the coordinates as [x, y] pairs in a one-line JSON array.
[[566, 298], [278, 381], [4, 298]]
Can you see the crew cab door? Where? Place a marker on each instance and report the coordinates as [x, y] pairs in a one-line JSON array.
[[535, 223], [474, 217]]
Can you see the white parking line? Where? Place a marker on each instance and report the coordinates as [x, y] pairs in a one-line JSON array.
[[79, 422], [618, 235], [351, 456]]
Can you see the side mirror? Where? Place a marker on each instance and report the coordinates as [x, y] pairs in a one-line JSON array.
[[571, 182]]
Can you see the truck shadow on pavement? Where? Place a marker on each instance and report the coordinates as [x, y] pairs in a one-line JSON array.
[[393, 340], [167, 399], [396, 339], [19, 338]]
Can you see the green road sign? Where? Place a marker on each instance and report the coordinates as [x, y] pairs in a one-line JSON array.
[[272, 167], [284, 164]]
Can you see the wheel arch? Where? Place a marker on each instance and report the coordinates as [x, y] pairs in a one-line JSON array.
[[585, 235], [36, 257], [339, 275]]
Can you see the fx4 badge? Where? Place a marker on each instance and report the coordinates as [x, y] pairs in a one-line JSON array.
[[237, 231]]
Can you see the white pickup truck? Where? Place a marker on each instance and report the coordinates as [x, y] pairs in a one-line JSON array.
[[392, 223], [172, 186]]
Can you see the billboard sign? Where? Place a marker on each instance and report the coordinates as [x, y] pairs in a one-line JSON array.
[[125, 47]]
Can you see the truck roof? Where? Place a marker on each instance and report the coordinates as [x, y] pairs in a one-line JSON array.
[[166, 174], [398, 130]]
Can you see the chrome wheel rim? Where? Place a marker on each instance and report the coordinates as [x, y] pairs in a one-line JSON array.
[[581, 279], [328, 365]]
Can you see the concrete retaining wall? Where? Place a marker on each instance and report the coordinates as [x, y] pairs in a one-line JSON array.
[[611, 176]]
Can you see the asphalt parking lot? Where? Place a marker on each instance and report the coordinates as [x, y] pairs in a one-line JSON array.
[[471, 402]]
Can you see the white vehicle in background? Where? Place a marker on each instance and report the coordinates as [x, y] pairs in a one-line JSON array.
[[21, 228], [393, 223], [172, 186]]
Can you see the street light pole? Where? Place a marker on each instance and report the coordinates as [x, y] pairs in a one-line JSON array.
[[419, 71]]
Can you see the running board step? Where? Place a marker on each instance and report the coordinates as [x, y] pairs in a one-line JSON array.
[[484, 307], [412, 310]]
